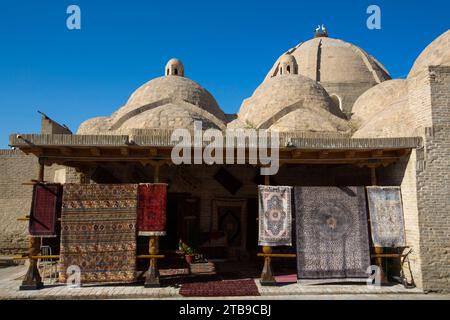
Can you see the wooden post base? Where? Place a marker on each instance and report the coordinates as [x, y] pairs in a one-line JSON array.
[[33, 280], [379, 263], [267, 278], [152, 275]]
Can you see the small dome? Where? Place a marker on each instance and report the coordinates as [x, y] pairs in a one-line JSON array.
[[170, 116], [378, 98], [395, 121], [94, 125], [288, 65], [436, 54], [174, 67], [291, 102]]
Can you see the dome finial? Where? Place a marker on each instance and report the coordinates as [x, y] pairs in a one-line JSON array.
[[321, 31], [174, 68]]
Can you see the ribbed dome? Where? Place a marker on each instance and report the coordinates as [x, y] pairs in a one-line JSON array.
[[436, 54], [371, 103], [332, 60], [343, 69], [291, 102]]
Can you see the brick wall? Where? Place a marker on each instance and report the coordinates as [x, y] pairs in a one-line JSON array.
[[434, 183], [403, 174], [15, 199]]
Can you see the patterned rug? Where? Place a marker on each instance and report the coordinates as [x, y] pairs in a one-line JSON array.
[[152, 209], [99, 232], [235, 288], [275, 216], [332, 232], [45, 210], [386, 216]]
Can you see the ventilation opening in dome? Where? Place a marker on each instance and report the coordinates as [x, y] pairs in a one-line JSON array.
[[337, 101], [288, 69]]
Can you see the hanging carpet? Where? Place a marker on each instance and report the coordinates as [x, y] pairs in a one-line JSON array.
[[45, 210], [275, 216], [386, 217], [152, 209], [99, 232], [332, 232]]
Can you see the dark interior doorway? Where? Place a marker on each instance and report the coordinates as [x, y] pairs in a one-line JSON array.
[[182, 221]]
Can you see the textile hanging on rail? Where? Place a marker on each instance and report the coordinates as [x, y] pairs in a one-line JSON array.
[[99, 232], [332, 232], [152, 205], [386, 217], [275, 216], [45, 210]]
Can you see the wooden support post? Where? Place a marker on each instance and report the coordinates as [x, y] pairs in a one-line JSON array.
[[267, 278], [373, 175], [378, 250], [33, 280], [152, 275]]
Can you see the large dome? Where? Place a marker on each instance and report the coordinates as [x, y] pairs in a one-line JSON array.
[[167, 102], [436, 54], [343, 69], [291, 102]]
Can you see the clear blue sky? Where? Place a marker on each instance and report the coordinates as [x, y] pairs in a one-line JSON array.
[[227, 46]]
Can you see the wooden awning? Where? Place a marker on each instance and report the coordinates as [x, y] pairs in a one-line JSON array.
[[76, 150]]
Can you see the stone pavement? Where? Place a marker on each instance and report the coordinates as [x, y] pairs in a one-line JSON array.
[[10, 282]]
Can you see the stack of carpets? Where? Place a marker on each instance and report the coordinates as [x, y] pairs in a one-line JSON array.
[[202, 268], [99, 232]]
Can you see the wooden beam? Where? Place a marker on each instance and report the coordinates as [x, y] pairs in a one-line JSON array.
[[96, 152], [66, 151], [377, 153], [350, 154], [324, 154], [124, 152], [153, 152], [296, 154]]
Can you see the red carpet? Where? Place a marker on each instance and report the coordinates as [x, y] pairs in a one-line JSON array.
[[235, 288], [289, 278]]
